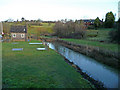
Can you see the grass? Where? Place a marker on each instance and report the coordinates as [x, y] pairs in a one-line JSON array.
[[37, 69], [46, 28], [94, 41], [47, 24], [41, 29], [102, 34], [108, 46]]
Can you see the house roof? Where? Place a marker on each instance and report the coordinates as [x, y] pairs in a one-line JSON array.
[[88, 20], [18, 29]]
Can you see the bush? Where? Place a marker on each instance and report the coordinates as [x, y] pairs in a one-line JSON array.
[[109, 20], [92, 35], [69, 29], [76, 35], [114, 35], [91, 27]]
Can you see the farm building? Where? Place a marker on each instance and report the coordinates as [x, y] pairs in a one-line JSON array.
[[18, 33], [88, 22]]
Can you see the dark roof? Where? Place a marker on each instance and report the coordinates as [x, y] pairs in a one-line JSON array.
[[88, 20], [18, 29]]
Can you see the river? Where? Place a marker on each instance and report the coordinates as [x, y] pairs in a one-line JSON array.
[[103, 73]]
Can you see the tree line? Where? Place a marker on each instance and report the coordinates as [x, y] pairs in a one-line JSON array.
[[108, 23]]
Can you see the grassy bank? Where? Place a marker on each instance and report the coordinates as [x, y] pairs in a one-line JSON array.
[[108, 46], [100, 34], [37, 69]]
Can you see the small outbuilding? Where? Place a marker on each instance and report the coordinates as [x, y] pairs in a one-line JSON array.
[[18, 33]]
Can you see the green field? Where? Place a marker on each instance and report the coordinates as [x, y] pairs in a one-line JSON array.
[[44, 28], [37, 69], [40, 29], [108, 46], [92, 36], [102, 34]]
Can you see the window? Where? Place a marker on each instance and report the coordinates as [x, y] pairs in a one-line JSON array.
[[14, 35], [22, 35]]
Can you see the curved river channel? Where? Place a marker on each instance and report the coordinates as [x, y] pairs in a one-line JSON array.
[[103, 73]]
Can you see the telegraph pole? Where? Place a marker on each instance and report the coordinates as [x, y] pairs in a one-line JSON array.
[[1, 28]]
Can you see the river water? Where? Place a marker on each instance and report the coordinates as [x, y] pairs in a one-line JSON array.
[[103, 73]]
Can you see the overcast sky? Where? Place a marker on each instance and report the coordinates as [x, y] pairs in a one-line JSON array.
[[56, 9]]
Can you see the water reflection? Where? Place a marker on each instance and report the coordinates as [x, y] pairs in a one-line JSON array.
[[93, 68]]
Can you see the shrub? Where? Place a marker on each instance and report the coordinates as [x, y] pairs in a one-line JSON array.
[[109, 20], [114, 35], [69, 29], [91, 27], [92, 35]]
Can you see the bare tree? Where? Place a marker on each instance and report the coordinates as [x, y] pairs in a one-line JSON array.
[[70, 29]]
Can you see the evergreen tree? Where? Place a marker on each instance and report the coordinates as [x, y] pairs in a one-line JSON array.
[[97, 23], [109, 20]]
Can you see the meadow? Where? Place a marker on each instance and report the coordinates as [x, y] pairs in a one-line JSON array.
[[107, 46], [97, 38], [33, 28], [40, 30], [46, 69], [101, 34], [93, 37], [37, 69]]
